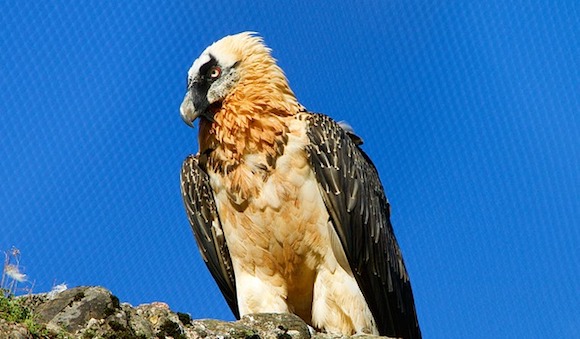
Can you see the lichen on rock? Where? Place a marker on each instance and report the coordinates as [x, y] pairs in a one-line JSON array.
[[94, 312]]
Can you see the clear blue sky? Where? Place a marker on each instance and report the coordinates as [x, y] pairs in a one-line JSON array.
[[470, 110]]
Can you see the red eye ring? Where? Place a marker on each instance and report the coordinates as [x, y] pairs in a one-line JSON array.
[[215, 72]]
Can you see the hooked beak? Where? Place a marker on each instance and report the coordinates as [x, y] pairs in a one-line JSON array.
[[192, 107]]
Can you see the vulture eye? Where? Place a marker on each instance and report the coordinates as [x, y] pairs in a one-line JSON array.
[[214, 72]]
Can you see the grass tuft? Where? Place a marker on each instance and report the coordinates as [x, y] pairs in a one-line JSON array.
[[12, 308]]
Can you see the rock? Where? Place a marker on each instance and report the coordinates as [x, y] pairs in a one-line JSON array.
[[90, 312], [94, 312], [13, 330], [277, 326], [72, 309]]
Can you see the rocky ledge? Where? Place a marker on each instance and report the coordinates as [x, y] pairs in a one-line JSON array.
[[94, 312]]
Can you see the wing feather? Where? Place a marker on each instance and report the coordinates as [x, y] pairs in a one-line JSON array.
[[205, 223], [360, 213]]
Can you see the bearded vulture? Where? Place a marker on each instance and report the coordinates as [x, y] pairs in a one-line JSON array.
[[288, 212]]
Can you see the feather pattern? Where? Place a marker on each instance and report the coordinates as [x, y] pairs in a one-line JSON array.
[[205, 222], [360, 213]]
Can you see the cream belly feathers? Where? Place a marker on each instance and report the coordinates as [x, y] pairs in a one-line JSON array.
[[280, 251]]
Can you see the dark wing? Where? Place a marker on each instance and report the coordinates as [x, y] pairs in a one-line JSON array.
[[360, 213], [205, 222]]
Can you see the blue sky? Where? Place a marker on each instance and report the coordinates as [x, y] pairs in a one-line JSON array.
[[470, 111]]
